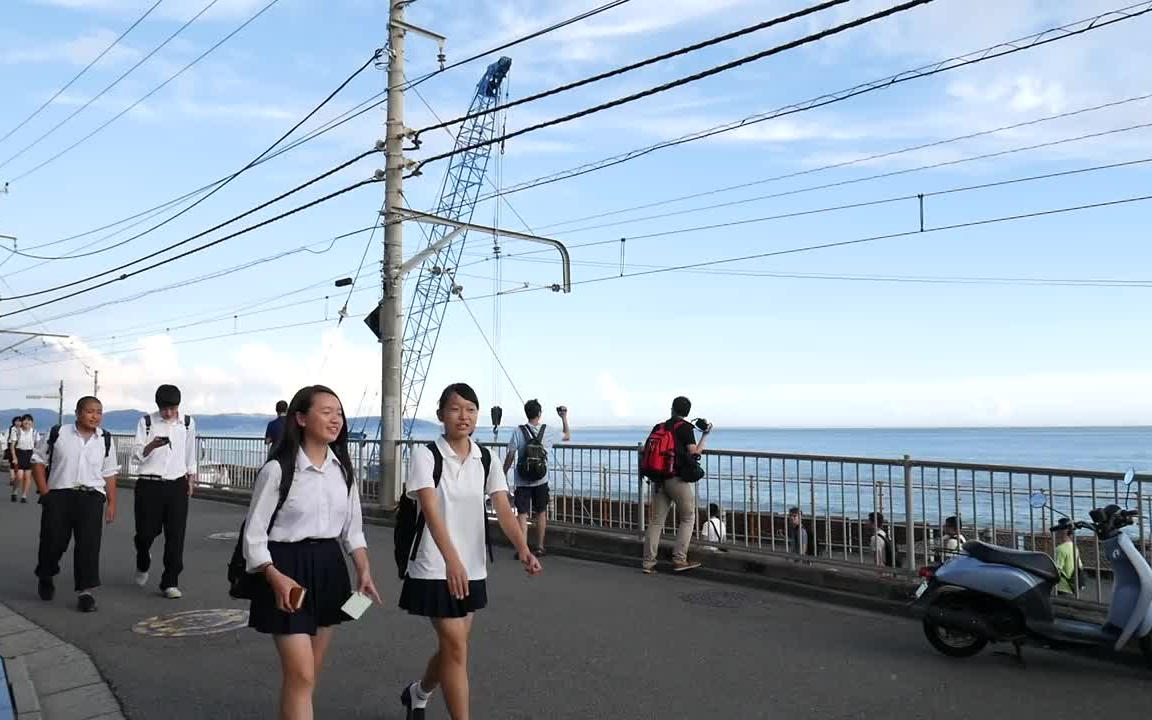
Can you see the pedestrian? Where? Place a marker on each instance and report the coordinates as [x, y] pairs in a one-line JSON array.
[[275, 427], [446, 578], [25, 443], [529, 449], [714, 529], [796, 540], [305, 510], [1068, 564], [880, 544], [75, 470], [166, 450], [670, 462], [10, 453], [953, 539]]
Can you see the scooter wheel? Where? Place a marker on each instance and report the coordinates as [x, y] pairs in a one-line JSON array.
[[951, 642]]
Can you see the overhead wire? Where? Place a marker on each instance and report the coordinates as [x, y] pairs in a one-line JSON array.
[[149, 94], [80, 74], [117, 81], [679, 82], [1044, 37]]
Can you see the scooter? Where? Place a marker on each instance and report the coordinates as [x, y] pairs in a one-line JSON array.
[[994, 594]]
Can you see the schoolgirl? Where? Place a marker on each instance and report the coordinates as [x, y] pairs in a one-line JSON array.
[[305, 510], [447, 573]]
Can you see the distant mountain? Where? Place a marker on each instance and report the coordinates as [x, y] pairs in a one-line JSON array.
[[231, 424]]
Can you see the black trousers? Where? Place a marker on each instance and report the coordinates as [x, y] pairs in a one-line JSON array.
[[162, 506], [68, 513]]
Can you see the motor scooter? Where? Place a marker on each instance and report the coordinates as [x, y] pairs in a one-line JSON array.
[[994, 594]]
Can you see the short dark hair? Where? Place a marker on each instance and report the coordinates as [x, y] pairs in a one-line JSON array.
[[85, 400], [793, 511], [27, 416], [951, 521], [168, 396], [533, 409], [681, 406], [464, 390], [713, 510], [876, 518], [281, 407]]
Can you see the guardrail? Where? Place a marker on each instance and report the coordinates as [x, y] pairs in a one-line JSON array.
[[598, 486]]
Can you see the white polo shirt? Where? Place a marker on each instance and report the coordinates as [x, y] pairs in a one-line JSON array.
[[461, 493], [78, 461]]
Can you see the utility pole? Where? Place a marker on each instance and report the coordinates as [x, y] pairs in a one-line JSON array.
[[59, 396], [95, 383], [391, 304]]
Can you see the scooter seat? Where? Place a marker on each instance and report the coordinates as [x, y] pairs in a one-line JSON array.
[[1036, 563]]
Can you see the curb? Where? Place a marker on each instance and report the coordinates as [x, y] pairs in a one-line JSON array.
[[51, 679]]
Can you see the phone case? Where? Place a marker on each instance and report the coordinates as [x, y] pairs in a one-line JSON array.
[[356, 605], [296, 597]]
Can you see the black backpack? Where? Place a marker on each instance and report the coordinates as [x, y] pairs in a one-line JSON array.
[[242, 584], [410, 521], [532, 465], [891, 557], [54, 435]]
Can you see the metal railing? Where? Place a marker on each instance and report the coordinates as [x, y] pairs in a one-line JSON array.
[[598, 486]]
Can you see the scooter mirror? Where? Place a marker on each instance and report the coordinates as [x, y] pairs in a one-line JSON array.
[[1038, 500], [1129, 476]]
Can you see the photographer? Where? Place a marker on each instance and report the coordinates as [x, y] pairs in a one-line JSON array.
[[529, 450], [671, 461]]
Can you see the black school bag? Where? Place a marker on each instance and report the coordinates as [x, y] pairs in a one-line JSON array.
[[242, 584], [410, 521], [532, 465]]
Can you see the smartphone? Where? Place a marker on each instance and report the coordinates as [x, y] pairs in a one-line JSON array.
[[296, 597], [164, 441]]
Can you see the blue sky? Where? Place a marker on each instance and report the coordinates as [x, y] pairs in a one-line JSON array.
[[749, 348]]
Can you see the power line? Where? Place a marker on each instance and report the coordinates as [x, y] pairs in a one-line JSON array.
[[490, 348], [222, 185], [681, 81], [80, 74], [831, 166], [150, 93], [996, 51], [194, 250], [114, 83], [779, 20], [185, 241], [358, 110]]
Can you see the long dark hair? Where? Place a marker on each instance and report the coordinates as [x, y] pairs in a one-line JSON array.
[[292, 435]]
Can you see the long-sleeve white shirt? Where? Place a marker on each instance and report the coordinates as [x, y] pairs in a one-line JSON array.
[[172, 461], [77, 461], [319, 506]]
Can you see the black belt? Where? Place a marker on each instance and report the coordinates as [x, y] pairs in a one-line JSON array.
[[161, 479]]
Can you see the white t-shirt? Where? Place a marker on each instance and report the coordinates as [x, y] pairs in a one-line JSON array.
[[519, 444], [714, 530], [461, 492]]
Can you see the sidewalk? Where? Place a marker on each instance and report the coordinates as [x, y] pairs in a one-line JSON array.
[[50, 679]]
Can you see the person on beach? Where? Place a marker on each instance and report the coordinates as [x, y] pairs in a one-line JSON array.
[[165, 449], [305, 511], [673, 488], [75, 471], [446, 579], [22, 448], [797, 534], [529, 449]]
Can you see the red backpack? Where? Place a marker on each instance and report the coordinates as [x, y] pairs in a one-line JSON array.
[[658, 458]]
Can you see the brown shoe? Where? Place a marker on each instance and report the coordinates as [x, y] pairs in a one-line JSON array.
[[649, 570], [683, 566]]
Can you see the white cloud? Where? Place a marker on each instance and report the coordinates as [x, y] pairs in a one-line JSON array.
[[617, 400], [79, 51]]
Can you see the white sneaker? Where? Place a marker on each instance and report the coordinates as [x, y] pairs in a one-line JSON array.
[[173, 593], [141, 579]]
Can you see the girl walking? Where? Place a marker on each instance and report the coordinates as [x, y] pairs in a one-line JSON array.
[[305, 509], [447, 569]]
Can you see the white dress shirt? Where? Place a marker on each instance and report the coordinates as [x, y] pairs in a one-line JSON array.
[[319, 506], [168, 462], [78, 461], [26, 439], [461, 493]]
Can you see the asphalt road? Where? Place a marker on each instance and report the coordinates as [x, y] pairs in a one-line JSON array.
[[581, 641]]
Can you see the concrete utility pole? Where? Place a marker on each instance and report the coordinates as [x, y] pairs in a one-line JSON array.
[[95, 383], [59, 396], [391, 305]]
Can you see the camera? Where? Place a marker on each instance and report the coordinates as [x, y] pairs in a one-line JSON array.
[[560, 410], [702, 425]]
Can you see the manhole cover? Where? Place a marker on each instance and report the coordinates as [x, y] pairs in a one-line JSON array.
[[717, 599], [230, 535], [192, 622]]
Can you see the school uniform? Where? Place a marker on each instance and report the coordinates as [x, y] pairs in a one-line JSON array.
[[319, 522], [460, 495], [78, 472], [25, 442], [161, 498]]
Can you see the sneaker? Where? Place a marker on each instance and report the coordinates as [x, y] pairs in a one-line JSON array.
[[24, 500], [13, 497], [141, 578], [172, 593], [46, 588], [649, 570], [86, 602], [410, 713], [683, 566], [539, 552]]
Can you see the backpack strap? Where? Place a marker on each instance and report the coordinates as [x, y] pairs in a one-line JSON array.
[[53, 436], [147, 425], [539, 439], [187, 421], [486, 461], [107, 442], [437, 472]]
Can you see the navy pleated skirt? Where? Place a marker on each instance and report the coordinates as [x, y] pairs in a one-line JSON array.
[[317, 566], [430, 598]]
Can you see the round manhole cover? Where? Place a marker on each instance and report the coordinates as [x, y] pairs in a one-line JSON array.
[[230, 535], [717, 599], [192, 622]]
